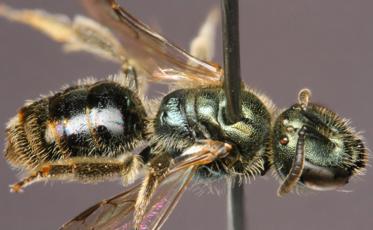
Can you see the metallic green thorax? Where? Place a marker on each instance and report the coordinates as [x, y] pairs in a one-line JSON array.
[[188, 115]]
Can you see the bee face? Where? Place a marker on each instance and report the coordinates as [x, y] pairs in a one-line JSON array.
[[333, 152]]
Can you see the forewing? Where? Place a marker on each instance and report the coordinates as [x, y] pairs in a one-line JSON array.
[[118, 212], [106, 212], [152, 53]]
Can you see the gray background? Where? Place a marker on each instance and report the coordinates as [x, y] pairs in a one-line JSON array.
[[325, 45]]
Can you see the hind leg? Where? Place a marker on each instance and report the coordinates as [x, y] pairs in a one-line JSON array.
[[83, 169]]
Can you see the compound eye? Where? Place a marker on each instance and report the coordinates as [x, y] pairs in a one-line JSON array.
[[284, 140]]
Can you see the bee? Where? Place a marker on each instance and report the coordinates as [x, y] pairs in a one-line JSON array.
[[90, 132]]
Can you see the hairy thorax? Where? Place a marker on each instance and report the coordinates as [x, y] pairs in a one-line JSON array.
[[187, 116]]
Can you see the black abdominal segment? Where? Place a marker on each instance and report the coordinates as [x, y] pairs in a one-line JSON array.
[[100, 119]]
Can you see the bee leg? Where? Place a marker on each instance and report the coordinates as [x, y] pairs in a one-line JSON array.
[[83, 169], [81, 34], [297, 166], [203, 45], [131, 74], [149, 185], [140, 84], [201, 153], [158, 168]]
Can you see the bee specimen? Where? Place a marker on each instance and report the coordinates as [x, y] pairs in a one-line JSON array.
[[89, 132]]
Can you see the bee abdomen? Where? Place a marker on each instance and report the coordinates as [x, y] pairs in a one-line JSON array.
[[18, 150], [25, 146], [100, 119]]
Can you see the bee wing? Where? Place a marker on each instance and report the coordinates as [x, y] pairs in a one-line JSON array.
[[158, 58], [118, 212]]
